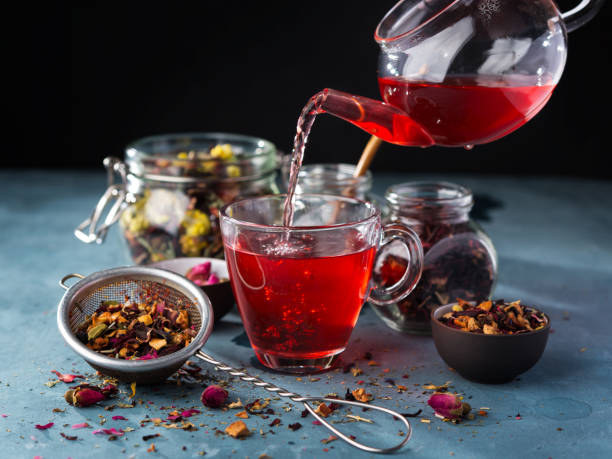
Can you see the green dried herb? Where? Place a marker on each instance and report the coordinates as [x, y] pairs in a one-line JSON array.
[[96, 331]]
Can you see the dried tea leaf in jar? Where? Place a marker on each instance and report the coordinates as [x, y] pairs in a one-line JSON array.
[[460, 260]]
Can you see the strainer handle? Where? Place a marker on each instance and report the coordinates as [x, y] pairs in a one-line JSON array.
[[62, 282], [298, 398]]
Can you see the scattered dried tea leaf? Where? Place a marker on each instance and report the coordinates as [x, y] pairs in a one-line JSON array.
[[133, 387], [356, 371], [499, 318], [361, 395], [441, 388], [151, 449], [323, 410], [242, 414], [237, 429], [359, 418], [111, 431], [150, 437], [295, 426], [233, 405], [329, 439], [69, 437]]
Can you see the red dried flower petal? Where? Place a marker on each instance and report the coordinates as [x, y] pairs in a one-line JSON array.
[[119, 418], [67, 378], [112, 431], [44, 427], [81, 425]]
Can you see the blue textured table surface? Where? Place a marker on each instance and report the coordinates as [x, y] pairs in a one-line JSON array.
[[554, 242]]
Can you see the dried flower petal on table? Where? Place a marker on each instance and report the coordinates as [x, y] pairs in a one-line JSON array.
[[111, 431], [214, 396], [81, 425], [119, 418], [44, 427], [448, 405], [67, 378], [275, 422]]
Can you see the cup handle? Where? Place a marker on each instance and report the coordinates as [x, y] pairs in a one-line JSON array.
[[383, 296]]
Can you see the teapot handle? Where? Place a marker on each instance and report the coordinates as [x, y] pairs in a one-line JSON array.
[[581, 14]]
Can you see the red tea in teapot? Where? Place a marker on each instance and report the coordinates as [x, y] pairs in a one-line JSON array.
[[466, 110]]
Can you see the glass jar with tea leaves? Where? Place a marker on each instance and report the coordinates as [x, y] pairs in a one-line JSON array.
[[171, 189], [460, 260]]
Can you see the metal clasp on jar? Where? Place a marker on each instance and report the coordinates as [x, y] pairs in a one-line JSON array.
[[114, 196]]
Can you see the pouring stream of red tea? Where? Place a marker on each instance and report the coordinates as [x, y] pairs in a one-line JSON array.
[[390, 124], [460, 111]]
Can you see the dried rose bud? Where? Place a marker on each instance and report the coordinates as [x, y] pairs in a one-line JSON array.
[[86, 395], [199, 273], [108, 390], [448, 405], [213, 279], [214, 396]]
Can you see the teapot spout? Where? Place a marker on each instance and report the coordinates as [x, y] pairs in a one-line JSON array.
[[377, 118]]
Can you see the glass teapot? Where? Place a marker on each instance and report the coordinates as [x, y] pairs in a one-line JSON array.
[[461, 72]]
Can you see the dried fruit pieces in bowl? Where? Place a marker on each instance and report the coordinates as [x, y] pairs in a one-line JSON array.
[[133, 330], [494, 318]]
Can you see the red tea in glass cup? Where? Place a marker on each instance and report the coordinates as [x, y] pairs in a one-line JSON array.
[[300, 289]]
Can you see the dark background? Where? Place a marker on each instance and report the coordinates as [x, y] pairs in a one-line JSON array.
[[91, 78]]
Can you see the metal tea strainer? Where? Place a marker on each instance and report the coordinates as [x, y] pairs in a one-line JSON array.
[[84, 297]]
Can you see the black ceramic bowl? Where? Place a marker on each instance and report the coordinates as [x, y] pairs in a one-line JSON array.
[[487, 358], [220, 295]]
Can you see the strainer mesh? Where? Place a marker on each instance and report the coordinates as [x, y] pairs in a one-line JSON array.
[[86, 302]]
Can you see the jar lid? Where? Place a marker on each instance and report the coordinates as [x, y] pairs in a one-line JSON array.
[[191, 157], [430, 197]]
